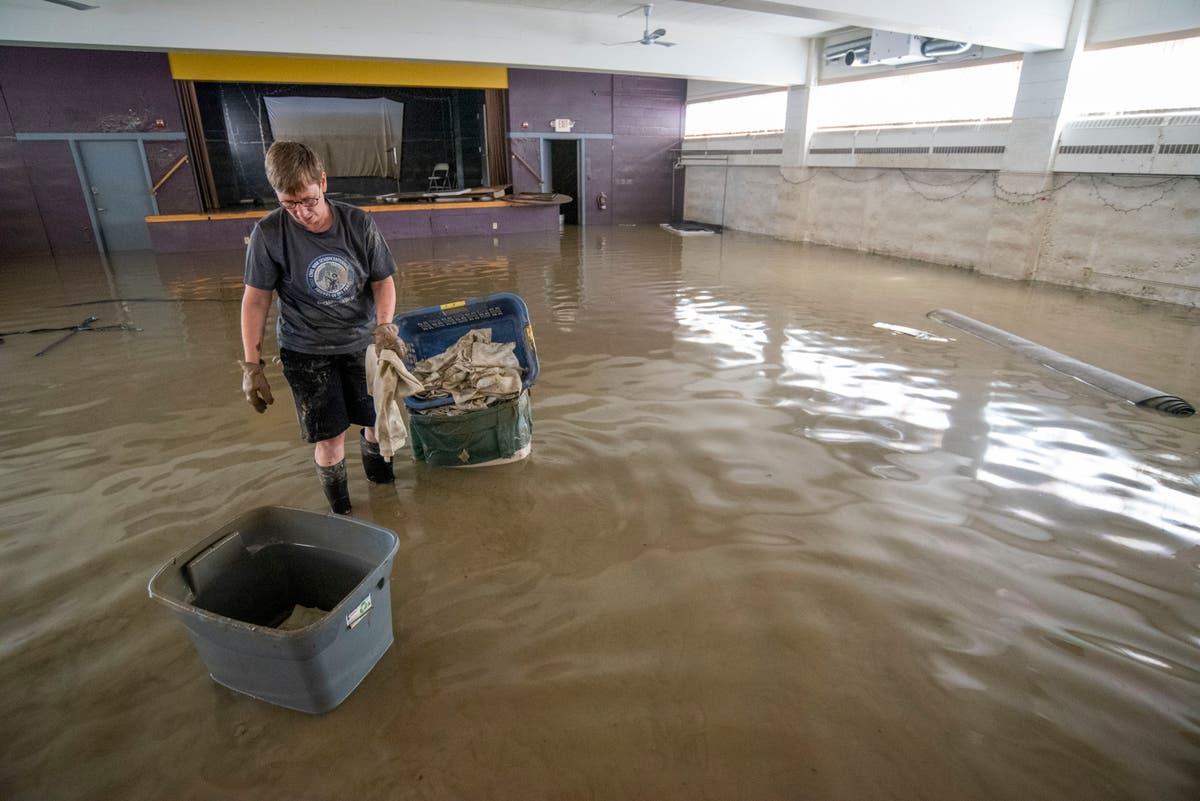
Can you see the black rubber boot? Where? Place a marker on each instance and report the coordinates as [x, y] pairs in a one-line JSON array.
[[378, 469], [337, 491]]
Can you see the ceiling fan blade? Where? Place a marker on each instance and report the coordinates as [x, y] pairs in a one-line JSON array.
[[72, 4], [614, 44], [649, 37]]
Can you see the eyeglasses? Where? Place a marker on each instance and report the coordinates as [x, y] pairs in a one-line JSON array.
[[308, 203]]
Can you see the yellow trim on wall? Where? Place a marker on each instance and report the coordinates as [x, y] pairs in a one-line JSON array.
[[346, 71]]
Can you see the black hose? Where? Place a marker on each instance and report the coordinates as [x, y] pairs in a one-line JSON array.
[[1131, 391]]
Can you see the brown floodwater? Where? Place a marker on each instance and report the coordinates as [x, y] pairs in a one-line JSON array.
[[761, 549]]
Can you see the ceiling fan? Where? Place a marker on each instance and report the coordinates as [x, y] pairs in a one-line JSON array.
[[73, 4], [649, 37]]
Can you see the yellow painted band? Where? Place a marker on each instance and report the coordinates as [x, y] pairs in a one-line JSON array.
[[346, 71], [456, 304]]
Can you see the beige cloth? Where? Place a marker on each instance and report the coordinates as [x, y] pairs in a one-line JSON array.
[[302, 617], [389, 381], [474, 370]]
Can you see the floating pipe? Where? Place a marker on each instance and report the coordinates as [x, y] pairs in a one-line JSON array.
[[1131, 391]]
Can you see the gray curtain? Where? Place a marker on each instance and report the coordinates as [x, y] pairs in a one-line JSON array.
[[353, 137]]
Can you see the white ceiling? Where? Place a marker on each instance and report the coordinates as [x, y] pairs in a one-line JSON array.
[[742, 41], [665, 12]]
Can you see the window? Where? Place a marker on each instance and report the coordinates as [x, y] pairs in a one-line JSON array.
[[1156, 76], [751, 114], [985, 91]]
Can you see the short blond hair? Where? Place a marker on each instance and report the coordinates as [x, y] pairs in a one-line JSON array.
[[292, 166]]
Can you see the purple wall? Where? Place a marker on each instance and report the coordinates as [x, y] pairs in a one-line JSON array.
[[647, 124], [644, 117], [179, 194], [77, 91], [21, 228], [52, 90], [59, 197], [178, 236], [67, 91], [538, 96]]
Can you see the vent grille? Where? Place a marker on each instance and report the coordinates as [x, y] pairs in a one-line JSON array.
[[758, 151], [941, 149], [868, 150], [1133, 121], [1117, 122], [968, 149], [1105, 149], [1179, 149]]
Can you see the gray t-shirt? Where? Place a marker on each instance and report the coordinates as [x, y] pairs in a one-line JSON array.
[[323, 280]]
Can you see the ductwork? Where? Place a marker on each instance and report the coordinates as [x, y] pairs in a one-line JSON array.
[[848, 52], [935, 48], [887, 48]]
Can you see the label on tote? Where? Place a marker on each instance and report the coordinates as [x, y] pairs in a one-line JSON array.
[[356, 616]]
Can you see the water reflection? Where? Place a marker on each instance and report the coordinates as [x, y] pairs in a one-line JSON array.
[[762, 549], [1090, 466], [732, 334]]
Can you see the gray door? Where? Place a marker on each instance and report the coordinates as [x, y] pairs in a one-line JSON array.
[[114, 175]]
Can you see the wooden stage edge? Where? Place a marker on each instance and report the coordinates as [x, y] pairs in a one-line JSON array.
[[253, 215], [177, 233]]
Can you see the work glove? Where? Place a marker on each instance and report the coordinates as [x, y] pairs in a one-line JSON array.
[[255, 386], [387, 338]]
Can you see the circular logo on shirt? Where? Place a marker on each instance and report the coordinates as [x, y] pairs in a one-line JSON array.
[[329, 276]]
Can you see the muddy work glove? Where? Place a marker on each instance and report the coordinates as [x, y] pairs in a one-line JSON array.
[[387, 338], [255, 386]]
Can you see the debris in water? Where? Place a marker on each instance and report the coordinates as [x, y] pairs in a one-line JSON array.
[[916, 333]]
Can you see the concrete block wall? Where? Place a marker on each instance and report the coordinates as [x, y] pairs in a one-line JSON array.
[[1131, 235]]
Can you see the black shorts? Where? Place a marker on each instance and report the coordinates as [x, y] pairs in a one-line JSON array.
[[330, 392]]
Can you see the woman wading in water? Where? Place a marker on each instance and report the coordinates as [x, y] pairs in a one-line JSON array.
[[332, 271]]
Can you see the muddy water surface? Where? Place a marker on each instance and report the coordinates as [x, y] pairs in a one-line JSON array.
[[761, 550]]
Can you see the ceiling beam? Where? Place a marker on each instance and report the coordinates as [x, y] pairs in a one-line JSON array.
[[456, 31], [1023, 25]]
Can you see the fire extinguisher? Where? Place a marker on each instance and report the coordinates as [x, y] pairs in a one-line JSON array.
[[602, 201]]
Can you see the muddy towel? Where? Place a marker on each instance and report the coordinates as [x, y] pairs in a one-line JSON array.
[[473, 370], [388, 381]]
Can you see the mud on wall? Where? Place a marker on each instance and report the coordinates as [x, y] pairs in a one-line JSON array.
[[49, 95], [1130, 235]]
